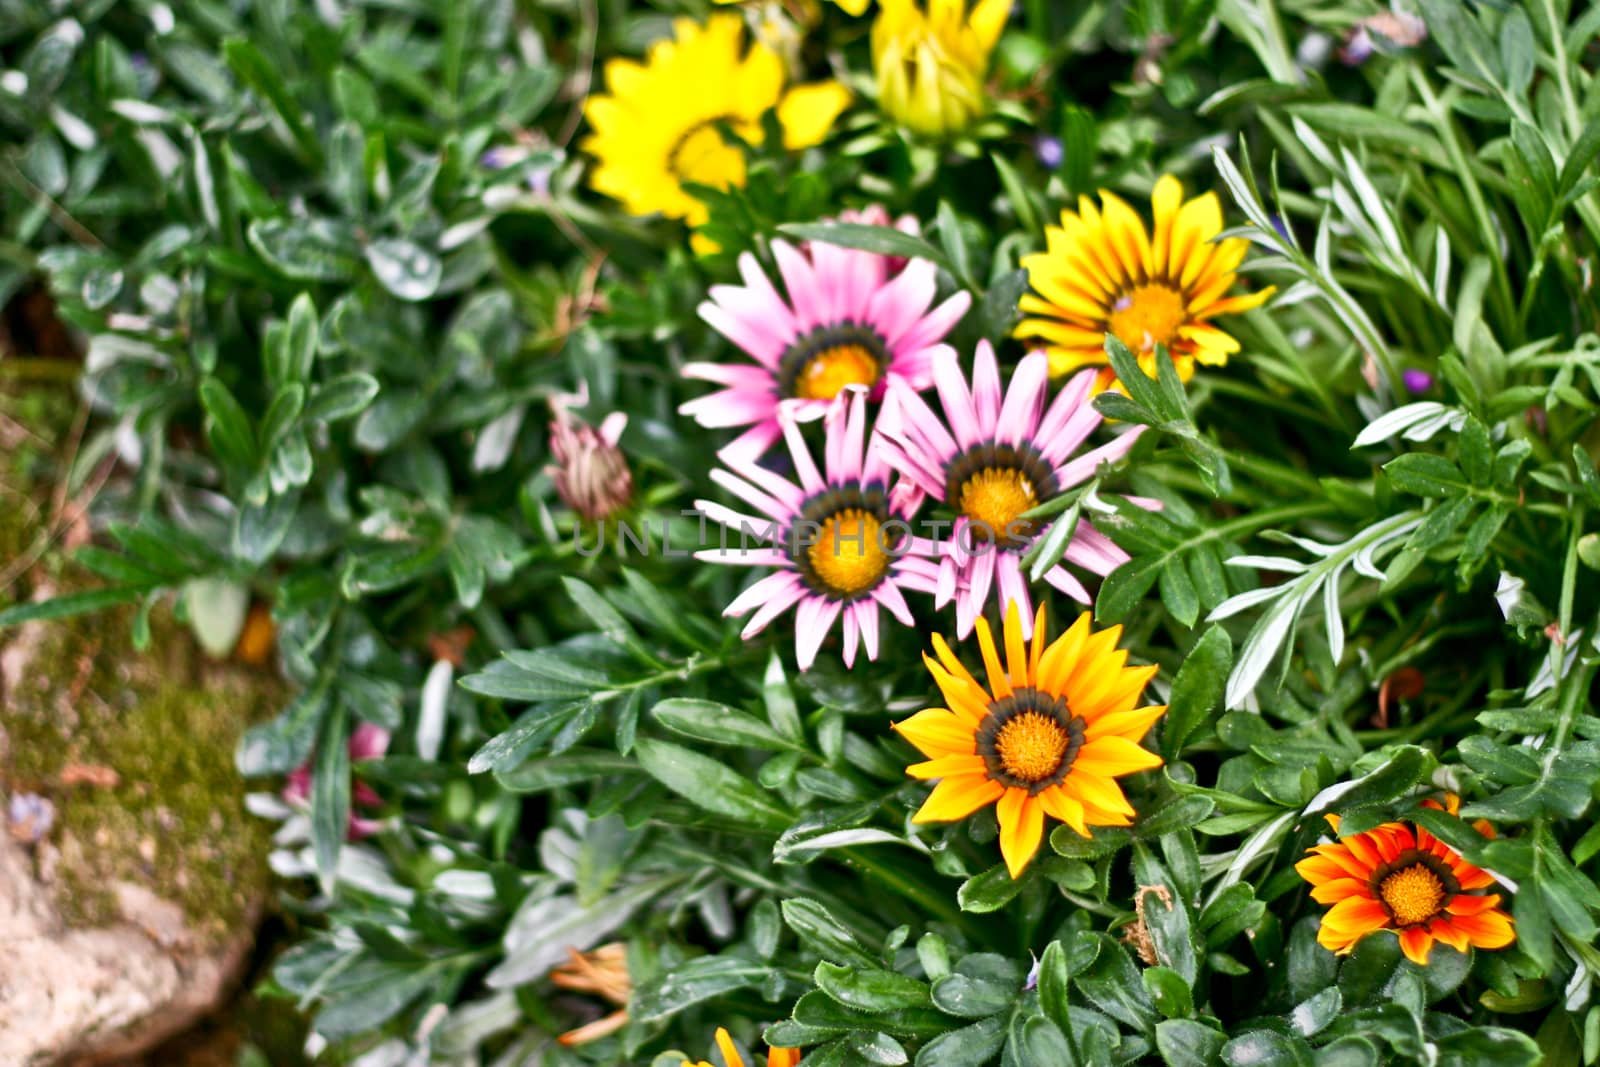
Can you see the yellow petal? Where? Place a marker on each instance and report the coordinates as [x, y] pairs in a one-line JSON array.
[[999, 686], [945, 766], [1132, 725], [1056, 666], [1065, 807], [938, 733], [1114, 757], [966, 699], [807, 112], [1016, 652]]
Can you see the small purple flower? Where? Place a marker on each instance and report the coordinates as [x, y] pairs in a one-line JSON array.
[[1049, 151], [1281, 226], [31, 817], [1417, 381]]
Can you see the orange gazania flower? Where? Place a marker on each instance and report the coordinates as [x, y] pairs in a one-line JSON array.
[[1400, 877], [1049, 736], [776, 1057]]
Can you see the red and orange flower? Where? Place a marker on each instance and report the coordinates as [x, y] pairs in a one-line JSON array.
[[1399, 877]]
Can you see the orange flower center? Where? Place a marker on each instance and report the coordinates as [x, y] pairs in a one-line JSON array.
[[1032, 746], [1413, 894], [827, 374], [993, 498], [1148, 315], [849, 555]]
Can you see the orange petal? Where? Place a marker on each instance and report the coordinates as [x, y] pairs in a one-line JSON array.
[[1445, 931], [1417, 944], [957, 797], [1340, 855], [1021, 829], [1036, 652], [1487, 929], [965, 698], [951, 663], [1338, 889], [1356, 915], [729, 1053], [1462, 904]]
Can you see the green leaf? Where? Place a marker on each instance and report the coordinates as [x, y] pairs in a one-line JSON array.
[[1263, 1048], [719, 724], [971, 1046], [607, 618], [870, 989], [1186, 1043], [405, 268], [227, 426], [330, 796], [710, 784], [1055, 990], [341, 397], [989, 891], [61, 607], [310, 250], [694, 982], [259, 74], [1197, 690], [1423, 474], [1169, 992], [884, 240], [1124, 587], [823, 933], [1387, 782], [1036, 1041]]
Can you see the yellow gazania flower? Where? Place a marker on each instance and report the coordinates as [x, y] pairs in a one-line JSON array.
[[658, 126], [1399, 877], [931, 64], [1103, 273], [1049, 736], [776, 1057]]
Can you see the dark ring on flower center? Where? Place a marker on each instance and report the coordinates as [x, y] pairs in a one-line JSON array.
[[674, 163], [1026, 460], [822, 340], [1023, 701], [1413, 857], [815, 512]]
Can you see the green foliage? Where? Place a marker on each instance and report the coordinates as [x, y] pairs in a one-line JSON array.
[[333, 275]]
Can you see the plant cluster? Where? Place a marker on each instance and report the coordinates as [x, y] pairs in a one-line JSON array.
[[669, 436]]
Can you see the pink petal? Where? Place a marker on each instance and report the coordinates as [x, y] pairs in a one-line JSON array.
[[1019, 416], [1085, 464], [760, 344], [866, 613], [896, 308], [805, 294], [936, 324], [889, 596], [812, 623], [756, 498], [1059, 577], [851, 636], [986, 388], [777, 603], [956, 399]]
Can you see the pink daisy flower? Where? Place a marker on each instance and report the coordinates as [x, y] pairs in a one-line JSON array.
[[1002, 455], [850, 319], [839, 546]]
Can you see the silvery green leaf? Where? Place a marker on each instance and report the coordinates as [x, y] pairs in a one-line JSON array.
[[216, 610], [405, 268]]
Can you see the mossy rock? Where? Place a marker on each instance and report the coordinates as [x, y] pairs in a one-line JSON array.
[[82, 701]]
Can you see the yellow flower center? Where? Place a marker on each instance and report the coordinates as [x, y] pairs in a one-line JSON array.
[[827, 374], [849, 555], [993, 498], [1031, 746], [1413, 894], [700, 155], [1148, 315]]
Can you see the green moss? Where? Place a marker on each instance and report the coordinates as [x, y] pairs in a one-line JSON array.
[[166, 722]]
